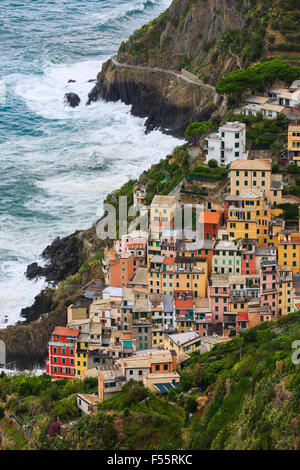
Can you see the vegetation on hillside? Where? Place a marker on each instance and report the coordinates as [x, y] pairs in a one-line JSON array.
[[244, 394], [265, 27], [256, 78]]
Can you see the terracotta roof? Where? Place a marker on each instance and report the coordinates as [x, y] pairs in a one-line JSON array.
[[169, 260], [62, 331], [181, 303], [210, 217]]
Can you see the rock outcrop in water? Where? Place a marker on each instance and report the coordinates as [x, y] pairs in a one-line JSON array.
[[63, 257], [72, 99]]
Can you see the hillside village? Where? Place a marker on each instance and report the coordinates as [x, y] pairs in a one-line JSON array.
[[171, 291]]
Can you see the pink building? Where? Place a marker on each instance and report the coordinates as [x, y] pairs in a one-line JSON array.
[[219, 295], [135, 244], [269, 285]]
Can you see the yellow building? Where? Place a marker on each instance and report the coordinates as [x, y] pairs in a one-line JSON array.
[[289, 250], [256, 174], [238, 305], [157, 335], [162, 212], [153, 248], [79, 310], [294, 143], [249, 216], [81, 357], [183, 342], [285, 284], [183, 273]]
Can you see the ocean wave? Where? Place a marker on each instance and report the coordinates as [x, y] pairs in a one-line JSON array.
[[57, 163]]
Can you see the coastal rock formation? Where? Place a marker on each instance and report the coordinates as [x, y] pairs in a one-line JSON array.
[[169, 103], [27, 344], [72, 99], [42, 304], [63, 258], [183, 37]]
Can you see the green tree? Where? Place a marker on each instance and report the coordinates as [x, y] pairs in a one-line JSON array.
[[196, 130], [190, 405], [277, 147]]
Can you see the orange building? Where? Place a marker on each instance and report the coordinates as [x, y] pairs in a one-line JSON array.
[[118, 268], [209, 224]]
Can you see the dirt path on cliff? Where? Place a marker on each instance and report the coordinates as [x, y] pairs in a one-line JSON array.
[[194, 81]]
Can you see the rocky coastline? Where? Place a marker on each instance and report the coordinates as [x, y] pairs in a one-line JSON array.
[[155, 96]]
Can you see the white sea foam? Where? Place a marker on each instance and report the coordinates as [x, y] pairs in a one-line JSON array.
[[79, 156]]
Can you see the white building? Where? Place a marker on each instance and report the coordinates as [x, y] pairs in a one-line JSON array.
[[228, 144], [271, 110], [289, 97]]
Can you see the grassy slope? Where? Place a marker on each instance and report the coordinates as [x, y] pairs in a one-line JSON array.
[[250, 389], [262, 28]]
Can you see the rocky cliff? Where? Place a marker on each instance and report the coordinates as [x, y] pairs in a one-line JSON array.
[[183, 37], [208, 38]]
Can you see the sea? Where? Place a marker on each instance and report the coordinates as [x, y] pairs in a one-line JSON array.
[[57, 163]]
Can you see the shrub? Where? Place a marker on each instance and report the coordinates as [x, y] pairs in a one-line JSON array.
[[191, 405], [213, 163], [66, 408], [54, 429]]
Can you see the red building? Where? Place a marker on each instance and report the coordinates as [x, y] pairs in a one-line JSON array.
[[210, 223], [62, 351], [248, 256]]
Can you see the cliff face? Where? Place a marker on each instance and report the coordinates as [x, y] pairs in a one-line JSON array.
[[208, 38], [187, 30], [27, 344], [168, 102]]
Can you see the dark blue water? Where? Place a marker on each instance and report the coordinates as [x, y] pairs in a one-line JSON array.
[[57, 163]]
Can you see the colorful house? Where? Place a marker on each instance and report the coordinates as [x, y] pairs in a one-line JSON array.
[[294, 143], [269, 285], [209, 224], [62, 352], [162, 212], [249, 216], [285, 284], [248, 256], [289, 250], [218, 294], [118, 267], [227, 258]]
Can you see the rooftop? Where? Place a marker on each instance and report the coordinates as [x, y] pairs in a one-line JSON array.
[[163, 200], [258, 164], [113, 292], [63, 331], [183, 338], [235, 126], [226, 245], [140, 277], [210, 217], [82, 302], [89, 398]]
